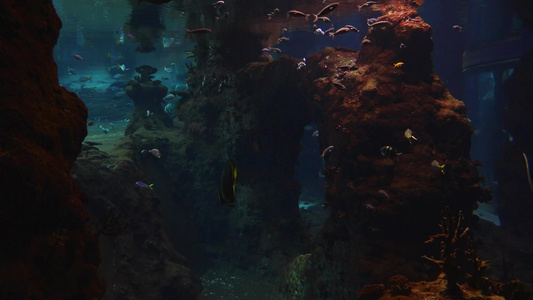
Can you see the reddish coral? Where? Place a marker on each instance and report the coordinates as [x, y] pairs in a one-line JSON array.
[[390, 87]]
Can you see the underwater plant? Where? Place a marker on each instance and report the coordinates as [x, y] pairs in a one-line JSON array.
[[452, 238], [295, 279]]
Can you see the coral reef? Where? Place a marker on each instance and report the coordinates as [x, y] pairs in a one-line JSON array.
[[463, 272], [366, 101], [362, 102], [47, 250], [457, 248]]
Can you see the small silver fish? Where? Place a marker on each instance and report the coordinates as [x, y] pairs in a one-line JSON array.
[[384, 194], [327, 150], [301, 64], [155, 153], [168, 97]]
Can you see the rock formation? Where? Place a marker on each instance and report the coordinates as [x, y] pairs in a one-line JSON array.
[[47, 249], [147, 96]]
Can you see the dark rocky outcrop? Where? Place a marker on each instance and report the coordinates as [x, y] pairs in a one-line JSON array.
[[139, 258], [147, 96], [47, 251]]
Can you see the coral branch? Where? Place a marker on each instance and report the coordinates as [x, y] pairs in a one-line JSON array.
[[452, 236]]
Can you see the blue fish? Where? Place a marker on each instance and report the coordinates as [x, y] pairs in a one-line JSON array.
[[86, 78], [144, 185]]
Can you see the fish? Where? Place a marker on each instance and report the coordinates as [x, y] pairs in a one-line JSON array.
[[155, 153], [271, 49], [366, 4], [226, 187], [167, 42], [77, 56], [130, 36], [273, 13], [71, 71], [319, 31], [117, 76], [458, 28], [153, 1], [327, 9], [90, 123], [398, 64], [104, 130], [383, 194], [198, 30], [120, 39], [301, 64], [435, 164], [487, 216], [351, 27], [388, 151], [341, 31], [114, 56], [144, 185], [315, 133], [119, 95], [122, 67], [86, 78], [168, 70], [409, 135], [327, 150], [297, 13], [168, 97]]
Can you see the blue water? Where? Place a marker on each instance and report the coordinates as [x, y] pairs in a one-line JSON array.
[[107, 36]]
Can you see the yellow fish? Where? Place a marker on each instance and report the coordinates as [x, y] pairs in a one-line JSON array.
[[398, 64], [435, 164], [409, 135], [226, 187]]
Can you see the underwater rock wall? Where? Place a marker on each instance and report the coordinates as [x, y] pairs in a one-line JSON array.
[[47, 249], [385, 202], [139, 255], [256, 118]]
